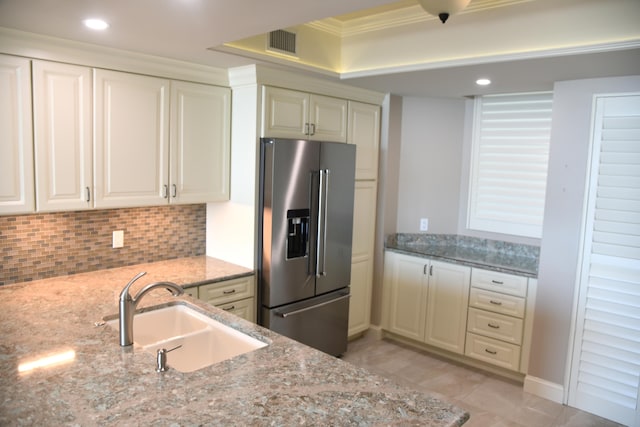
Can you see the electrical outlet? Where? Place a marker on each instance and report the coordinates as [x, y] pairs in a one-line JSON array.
[[118, 239], [424, 224]]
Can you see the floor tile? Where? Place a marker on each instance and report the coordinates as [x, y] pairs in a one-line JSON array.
[[491, 400]]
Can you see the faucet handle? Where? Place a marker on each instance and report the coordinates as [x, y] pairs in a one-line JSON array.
[[125, 291]]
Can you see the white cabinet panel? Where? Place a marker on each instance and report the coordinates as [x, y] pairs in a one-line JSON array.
[[328, 118], [407, 302], [200, 143], [62, 132], [286, 113], [16, 136], [131, 139], [447, 306], [292, 114], [364, 132]]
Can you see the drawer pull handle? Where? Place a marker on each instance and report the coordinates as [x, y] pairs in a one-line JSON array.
[[491, 325], [495, 302], [229, 308], [490, 351], [497, 282], [232, 291]]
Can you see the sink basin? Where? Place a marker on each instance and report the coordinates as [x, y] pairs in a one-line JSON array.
[[204, 341]]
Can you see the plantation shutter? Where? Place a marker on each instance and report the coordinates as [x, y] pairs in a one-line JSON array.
[[509, 163], [605, 374]]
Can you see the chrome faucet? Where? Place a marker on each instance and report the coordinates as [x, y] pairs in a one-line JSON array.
[[128, 305]]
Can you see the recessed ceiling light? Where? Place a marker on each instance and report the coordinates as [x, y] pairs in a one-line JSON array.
[[96, 24], [483, 82]]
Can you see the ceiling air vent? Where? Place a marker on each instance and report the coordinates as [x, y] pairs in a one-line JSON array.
[[283, 41]]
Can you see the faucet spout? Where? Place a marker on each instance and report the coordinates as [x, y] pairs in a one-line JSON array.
[[128, 305]]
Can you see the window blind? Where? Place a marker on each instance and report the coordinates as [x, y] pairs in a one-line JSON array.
[[510, 152]]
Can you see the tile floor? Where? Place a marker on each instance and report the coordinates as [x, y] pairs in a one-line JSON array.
[[490, 399]]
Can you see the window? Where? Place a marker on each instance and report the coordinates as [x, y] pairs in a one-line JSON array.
[[510, 152]]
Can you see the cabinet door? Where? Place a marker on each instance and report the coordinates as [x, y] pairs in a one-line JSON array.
[[285, 113], [447, 306], [364, 131], [407, 284], [328, 119], [364, 217], [200, 143], [16, 137], [131, 139], [62, 133]]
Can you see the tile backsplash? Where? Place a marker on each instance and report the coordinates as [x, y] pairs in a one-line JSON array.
[[45, 245]]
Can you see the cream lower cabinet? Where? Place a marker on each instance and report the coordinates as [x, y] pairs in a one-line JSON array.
[[500, 319], [236, 296], [293, 114], [16, 137], [426, 300], [364, 217]]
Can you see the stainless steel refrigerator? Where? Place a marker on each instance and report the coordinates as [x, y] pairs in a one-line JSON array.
[[304, 245]]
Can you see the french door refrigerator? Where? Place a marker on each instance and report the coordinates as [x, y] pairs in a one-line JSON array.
[[304, 240]]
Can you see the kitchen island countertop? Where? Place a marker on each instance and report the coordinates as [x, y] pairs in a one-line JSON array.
[[284, 383]]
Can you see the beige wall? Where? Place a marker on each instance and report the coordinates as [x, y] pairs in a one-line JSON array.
[[430, 164]]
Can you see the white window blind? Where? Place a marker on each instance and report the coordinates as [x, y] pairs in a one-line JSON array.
[[510, 152]]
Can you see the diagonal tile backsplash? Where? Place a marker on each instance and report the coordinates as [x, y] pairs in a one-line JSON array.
[[45, 245]]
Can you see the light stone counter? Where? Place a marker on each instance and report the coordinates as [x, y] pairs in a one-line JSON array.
[[285, 383]]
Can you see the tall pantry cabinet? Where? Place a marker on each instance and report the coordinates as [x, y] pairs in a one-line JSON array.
[[364, 132]]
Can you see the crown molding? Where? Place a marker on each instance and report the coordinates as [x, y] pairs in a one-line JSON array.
[[37, 46], [543, 53], [413, 14]]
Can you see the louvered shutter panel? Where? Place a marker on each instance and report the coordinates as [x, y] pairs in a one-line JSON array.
[[509, 163], [605, 376]]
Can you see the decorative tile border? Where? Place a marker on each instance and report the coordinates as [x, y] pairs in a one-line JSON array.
[[46, 245]]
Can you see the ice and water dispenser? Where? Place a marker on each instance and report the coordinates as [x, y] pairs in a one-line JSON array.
[[297, 233]]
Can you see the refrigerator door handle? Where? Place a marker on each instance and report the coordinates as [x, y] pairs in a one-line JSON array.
[[321, 247], [302, 310]]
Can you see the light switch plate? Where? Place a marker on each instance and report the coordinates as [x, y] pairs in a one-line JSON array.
[[118, 239], [424, 224]]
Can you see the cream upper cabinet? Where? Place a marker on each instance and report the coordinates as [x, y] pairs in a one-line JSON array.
[[364, 132], [426, 300], [131, 139], [364, 214], [293, 114], [200, 143], [62, 134], [16, 137], [447, 305]]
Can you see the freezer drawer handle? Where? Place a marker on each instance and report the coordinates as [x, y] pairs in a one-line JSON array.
[[302, 310]]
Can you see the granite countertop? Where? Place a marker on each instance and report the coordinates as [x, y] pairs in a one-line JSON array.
[[284, 383], [488, 254]]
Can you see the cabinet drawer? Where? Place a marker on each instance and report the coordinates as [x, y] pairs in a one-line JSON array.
[[244, 308], [496, 302], [229, 290], [499, 282], [495, 325], [493, 351]]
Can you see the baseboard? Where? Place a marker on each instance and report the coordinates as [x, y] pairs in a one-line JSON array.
[[375, 331], [543, 388]]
